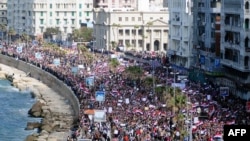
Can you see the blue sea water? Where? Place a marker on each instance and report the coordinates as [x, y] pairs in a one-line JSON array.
[[14, 106]]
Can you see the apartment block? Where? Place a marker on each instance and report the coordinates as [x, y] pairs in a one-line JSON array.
[[33, 17]]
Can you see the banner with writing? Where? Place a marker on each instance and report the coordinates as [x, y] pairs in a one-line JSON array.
[[19, 49], [38, 55], [56, 62]]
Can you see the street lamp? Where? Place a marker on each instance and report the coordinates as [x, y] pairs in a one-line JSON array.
[[167, 73], [174, 73], [191, 122]]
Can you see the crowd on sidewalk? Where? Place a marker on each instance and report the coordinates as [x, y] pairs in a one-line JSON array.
[[133, 112]]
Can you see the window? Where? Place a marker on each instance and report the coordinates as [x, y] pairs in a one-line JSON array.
[[139, 18], [120, 32], [80, 21], [87, 13], [57, 21], [73, 13], [80, 6], [50, 21], [87, 5], [50, 13], [65, 13], [126, 19], [80, 14], [50, 5], [41, 14], [57, 13], [72, 21], [247, 5], [65, 21], [41, 21], [120, 19], [133, 19]]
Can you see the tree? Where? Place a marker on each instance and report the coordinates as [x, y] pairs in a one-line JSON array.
[[133, 72], [113, 63], [50, 31], [11, 33], [84, 33]]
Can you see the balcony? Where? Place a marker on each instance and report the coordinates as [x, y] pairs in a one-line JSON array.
[[232, 10], [215, 10], [235, 65]]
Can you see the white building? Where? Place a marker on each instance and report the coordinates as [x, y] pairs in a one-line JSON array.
[[147, 31], [3, 12], [181, 33], [128, 3], [34, 16]]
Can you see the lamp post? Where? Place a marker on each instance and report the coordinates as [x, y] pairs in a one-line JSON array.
[[174, 73], [167, 74], [191, 122]]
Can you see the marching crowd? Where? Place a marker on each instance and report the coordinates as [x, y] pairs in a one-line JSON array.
[[133, 111]]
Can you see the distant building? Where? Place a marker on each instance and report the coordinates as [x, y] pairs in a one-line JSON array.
[[3, 17], [34, 16], [135, 30]]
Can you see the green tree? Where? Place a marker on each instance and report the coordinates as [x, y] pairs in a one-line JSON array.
[[50, 31], [133, 72], [113, 64], [84, 33], [11, 33]]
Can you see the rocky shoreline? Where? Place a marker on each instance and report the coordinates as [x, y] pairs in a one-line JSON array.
[[55, 111]]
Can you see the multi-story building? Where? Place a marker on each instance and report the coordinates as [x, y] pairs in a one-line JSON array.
[[3, 12], [235, 44], [180, 33], [3, 17], [128, 3], [132, 29], [206, 40], [33, 17], [207, 35]]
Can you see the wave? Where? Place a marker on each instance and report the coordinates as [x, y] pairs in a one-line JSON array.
[[9, 88]]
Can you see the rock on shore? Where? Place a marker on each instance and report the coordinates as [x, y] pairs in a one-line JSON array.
[[56, 113]]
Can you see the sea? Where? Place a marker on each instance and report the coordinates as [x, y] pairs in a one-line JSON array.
[[14, 107]]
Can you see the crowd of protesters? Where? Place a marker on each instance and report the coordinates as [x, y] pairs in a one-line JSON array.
[[133, 112]]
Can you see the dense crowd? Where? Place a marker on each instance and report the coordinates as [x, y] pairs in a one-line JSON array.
[[133, 112]]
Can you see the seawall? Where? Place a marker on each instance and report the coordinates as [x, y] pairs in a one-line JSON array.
[[46, 78]]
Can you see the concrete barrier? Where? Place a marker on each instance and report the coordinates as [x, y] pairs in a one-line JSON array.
[[47, 78]]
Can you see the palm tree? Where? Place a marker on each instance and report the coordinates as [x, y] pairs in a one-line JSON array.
[[3, 29], [133, 72], [113, 63], [84, 33], [11, 33], [50, 31]]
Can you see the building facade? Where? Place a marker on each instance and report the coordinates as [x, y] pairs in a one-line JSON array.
[[180, 33], [34, 16], [3, 18], [207, 35], [135, 4], [131, 29], [235, 44], [3, 12]]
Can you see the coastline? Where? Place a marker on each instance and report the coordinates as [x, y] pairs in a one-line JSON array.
[[56, 112]]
